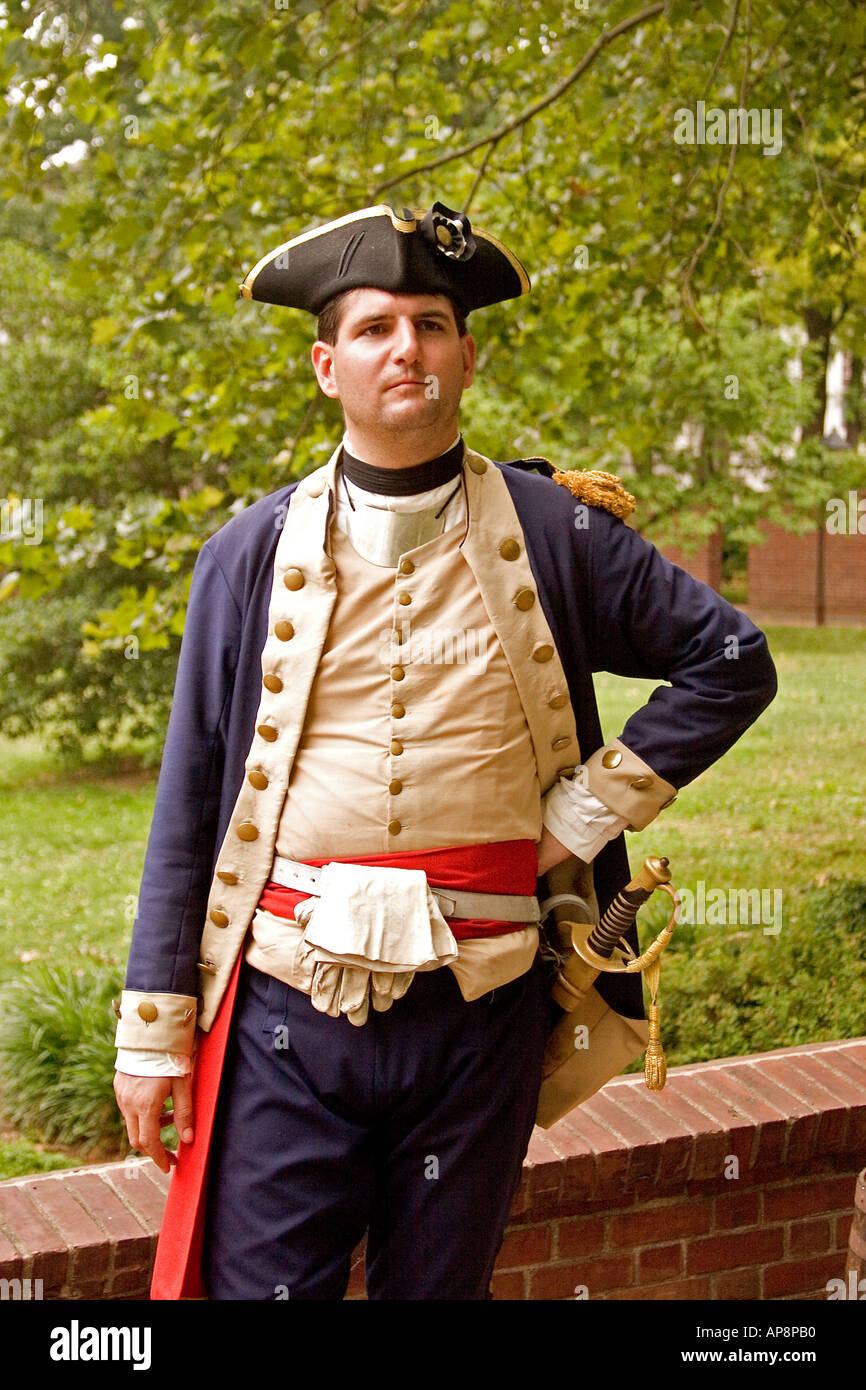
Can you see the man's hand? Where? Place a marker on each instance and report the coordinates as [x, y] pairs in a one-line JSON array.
[[550, 851], [141, 1099]]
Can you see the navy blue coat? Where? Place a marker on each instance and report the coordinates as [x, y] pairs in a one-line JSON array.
[[613, 603]]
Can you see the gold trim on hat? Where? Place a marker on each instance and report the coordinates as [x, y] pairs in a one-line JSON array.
[[380, 210], [512, 260]]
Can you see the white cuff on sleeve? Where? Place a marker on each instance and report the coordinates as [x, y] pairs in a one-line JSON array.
[[138, 1061], [578, 819]]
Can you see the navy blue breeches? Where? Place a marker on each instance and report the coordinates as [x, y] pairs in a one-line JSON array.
[[412, 1128]]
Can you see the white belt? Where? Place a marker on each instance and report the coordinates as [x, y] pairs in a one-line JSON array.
[[501, 907]]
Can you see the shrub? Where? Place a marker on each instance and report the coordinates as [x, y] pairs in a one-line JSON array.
[[57, 1057]]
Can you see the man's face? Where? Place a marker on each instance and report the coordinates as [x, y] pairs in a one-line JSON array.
[[398, 363]]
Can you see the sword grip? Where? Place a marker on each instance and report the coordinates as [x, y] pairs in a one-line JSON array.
[[622, 912]]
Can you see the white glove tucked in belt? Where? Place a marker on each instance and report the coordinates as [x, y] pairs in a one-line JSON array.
[[366, 934]]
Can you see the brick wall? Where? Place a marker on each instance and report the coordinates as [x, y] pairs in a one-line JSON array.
[[735, 1182], [783, 574]]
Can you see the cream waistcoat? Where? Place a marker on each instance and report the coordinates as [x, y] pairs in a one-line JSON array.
[[303, 600], [414, 744], [410, 698]]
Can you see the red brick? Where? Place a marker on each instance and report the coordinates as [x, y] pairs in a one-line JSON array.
[[146, 1199], [89, 1246], [10, 1259], [131, 1282], [105, 1206], [770, 1125], [812, 1196], [559, 1281], [91, 1291], [709, 1137], [508, 1286], [842, 1231], [659, 1223], [707, 1254], [521, 1198], [732, 1209], [610, 1154], [805, 1078], [676, 1289], [803, 1276], [677, 1141], [738, 1283], [568, 1136], [541, 1167], [580, 1237], [641, 1145], [809, 1237], [848, 1062], [33, 1235], [524, 1245], [660, 1262], [579, 1176], [803, 1123]]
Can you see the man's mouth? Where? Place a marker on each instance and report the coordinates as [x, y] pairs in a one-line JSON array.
[[407, 382]]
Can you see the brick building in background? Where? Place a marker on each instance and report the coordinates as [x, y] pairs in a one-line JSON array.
[[784, 572]]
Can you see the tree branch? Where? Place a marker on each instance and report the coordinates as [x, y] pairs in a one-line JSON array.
[[533, 109], [686, 291]]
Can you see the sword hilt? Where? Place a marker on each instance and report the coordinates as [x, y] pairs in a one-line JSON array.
[[622, 912]]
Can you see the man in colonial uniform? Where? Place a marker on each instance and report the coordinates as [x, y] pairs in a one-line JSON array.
[[383, 734]]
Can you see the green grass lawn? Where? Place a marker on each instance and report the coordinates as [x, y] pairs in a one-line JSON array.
[[783, 811]]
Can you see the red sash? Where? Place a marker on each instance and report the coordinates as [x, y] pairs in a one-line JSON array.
[[509, 866]]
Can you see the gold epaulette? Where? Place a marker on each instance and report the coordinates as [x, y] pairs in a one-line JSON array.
[[597, 489]]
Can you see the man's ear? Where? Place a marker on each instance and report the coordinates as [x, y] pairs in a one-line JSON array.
[[323, 365]]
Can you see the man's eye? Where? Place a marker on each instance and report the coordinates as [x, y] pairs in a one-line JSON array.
[[432, 323]]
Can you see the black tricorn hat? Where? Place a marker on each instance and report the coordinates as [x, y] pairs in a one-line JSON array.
[[425, 252]]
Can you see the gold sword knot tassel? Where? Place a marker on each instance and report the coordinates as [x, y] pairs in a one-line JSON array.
[[655, 1067]]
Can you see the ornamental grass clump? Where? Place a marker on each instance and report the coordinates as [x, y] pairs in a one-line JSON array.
[[57, 1057]]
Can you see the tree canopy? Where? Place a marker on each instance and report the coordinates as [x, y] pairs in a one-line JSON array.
[[153, 150]]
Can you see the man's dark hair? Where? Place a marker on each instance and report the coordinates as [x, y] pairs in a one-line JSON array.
[[332, 316]]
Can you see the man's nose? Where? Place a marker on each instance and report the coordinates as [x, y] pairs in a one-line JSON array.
[[405, 346]]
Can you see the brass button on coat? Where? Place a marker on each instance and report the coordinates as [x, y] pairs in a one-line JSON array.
[[395, 787], [524, 600], [641, 783], [404, 599], [272, 683], [148, 1011], [509, 549], [398, 710], [560, 743], [396, 747], [394, 827], [267, 732], [257, 779], [219, 919], [247, 831], [284, 630], [406, 567], [558, 701], [542, 651], [225, 876], [293, 579], [612, 758], [477, 465], [397, 673]]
